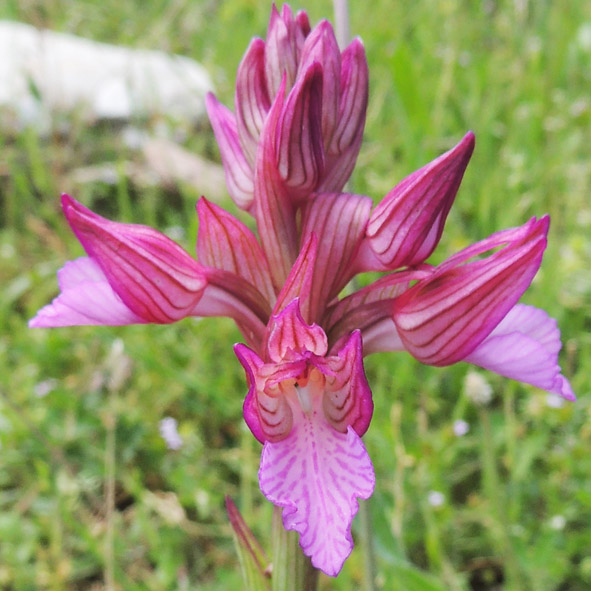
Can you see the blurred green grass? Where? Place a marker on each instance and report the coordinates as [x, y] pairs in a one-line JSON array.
[[515, 510]]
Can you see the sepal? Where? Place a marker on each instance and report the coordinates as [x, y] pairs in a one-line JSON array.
[[444, 317], [406, 226], [238, 171], [152, 275]]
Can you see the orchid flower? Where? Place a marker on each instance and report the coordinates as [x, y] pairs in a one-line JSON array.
[[288, 150]]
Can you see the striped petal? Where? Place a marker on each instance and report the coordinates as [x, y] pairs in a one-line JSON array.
[[317, 474], [152, 275], [300, 146], [339, 222], [225, 243], [252, 102], [406, 226], [284, 42], [274, 210], [239, 172], [444, 317], [290, 337]]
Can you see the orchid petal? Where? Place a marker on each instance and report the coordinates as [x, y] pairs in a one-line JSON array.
[[284, 42], [239, 173], [524, 347], [444, 317], [321, 47], [339, 220], [252, 101], [300, 149], [154, 277], [274, 211], [316, 474], [343, 147], [225, 243], [290, 336], [266, 408], [86, 299], [299, 281], [406, 226], [369, 306], [347, 400]]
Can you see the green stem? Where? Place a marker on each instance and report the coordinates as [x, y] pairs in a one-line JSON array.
[[292, 571], [369, 558]]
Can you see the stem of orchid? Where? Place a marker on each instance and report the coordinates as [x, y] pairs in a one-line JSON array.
[[369, 558], [341, 20], [292, 571]]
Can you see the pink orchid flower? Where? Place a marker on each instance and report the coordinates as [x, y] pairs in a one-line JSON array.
[[308, 401]]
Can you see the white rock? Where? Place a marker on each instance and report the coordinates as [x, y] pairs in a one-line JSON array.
[[43, 72]]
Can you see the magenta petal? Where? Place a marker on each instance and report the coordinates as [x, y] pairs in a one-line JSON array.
[[406, 226], [299, 281], [86, 299], [284, 42], [266, 409], [252, 101], [225, 243], [300, 146], [524, 347], [274, 210], [347, 400], [153, 276], [321, 46], [343, 147], [339, 222], [290, 337], [239, 173], [317, 474], [444, 317]]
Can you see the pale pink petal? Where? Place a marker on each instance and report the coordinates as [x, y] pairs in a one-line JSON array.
[[154, 277], [239, 173], [252, 102], [290, 337], [339, 221], [524, 347], [86, 299], [317, 474], [225, 243]]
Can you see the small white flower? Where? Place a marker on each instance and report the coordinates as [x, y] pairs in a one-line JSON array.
[[557, 522], [554, 401], [461, 427], [477, 389], [168, 431], [435, 498]]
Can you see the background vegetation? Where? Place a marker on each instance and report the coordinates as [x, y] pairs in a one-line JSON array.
[[90, 496]]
